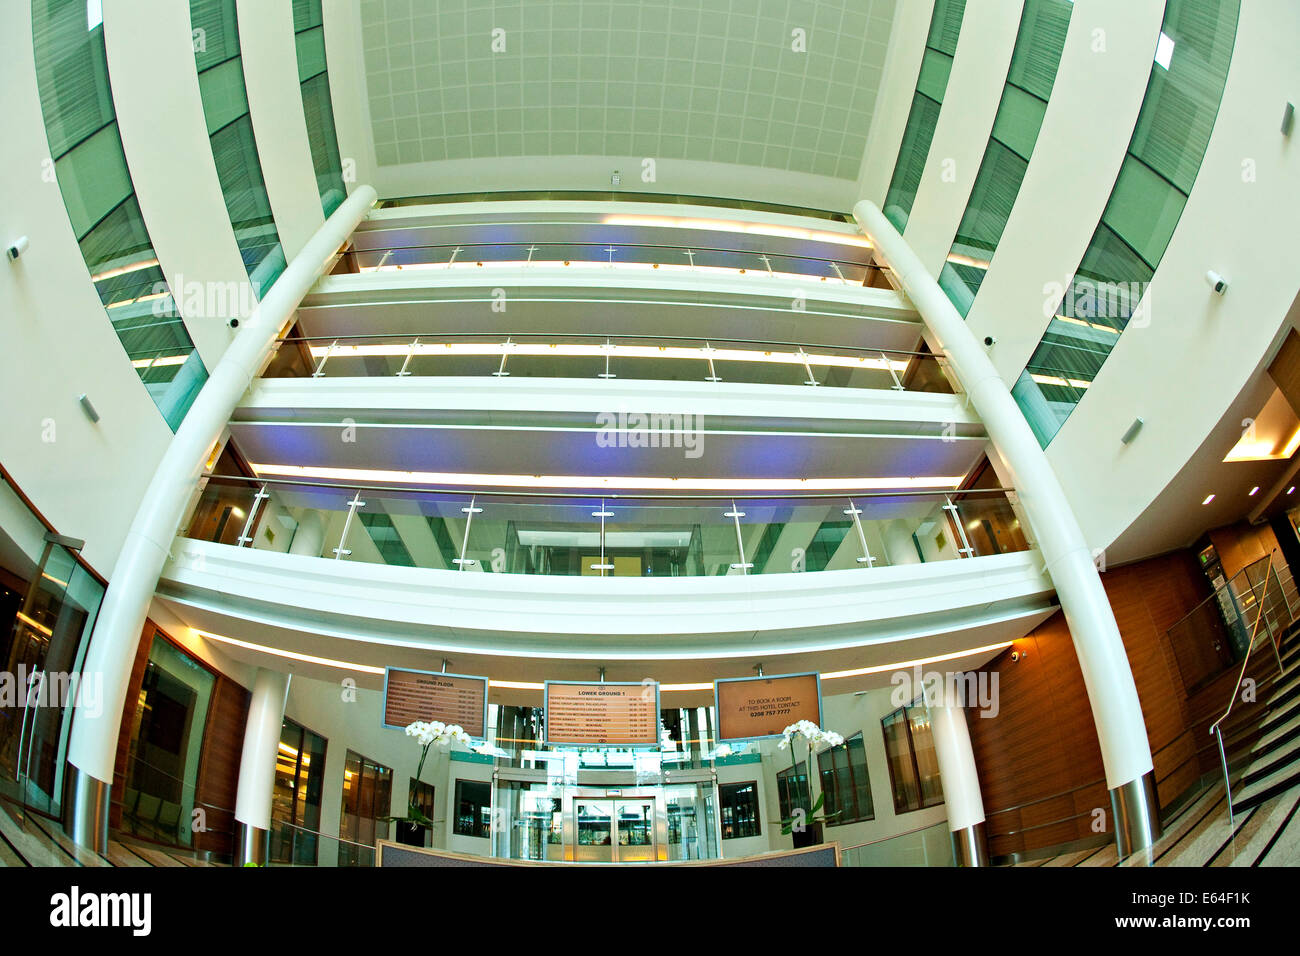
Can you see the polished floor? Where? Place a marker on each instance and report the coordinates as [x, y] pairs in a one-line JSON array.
[[1200, 836]]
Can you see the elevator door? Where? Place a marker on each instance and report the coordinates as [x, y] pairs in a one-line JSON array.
[[614, 830]]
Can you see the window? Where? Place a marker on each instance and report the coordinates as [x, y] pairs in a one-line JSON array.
[[844, 780], [230, 129], [792, 789], [1164, 156], [1034, 62], [473, 809], [318, 109], [739, 805], [297, 793], [91, 170], [367, 796], [941, 45], [913, 766]]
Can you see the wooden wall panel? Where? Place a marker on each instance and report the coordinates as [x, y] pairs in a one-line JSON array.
[[127, 727], [218, 780], [1039, 762]]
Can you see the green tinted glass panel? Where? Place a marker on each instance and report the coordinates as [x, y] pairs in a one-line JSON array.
[[318, 109], [1164, 156], [1034, 61], [95, 183], [234, 148]]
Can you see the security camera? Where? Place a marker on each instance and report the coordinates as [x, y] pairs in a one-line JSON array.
[[1216, 282], [990, 341], [233, 322], [16, 249]]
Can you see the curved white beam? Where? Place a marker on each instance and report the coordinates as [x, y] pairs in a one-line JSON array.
[[1121, 730], [93, 743]]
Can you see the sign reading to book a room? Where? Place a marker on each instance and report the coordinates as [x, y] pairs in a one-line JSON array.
[[595, 714], [425, 695], [753, 707]]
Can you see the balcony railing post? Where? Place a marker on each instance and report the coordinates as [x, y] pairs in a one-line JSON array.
[[353, 505], [735, 514], [469, 513], [602, 514], [965, 550], [246, 536], [856, 512]]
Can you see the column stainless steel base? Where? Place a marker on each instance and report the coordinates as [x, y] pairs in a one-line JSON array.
[[970, 846], [251, 844], [1136, 811], [85, 809]]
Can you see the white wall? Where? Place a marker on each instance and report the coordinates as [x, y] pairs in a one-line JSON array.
[[347, 76], [58, 342]]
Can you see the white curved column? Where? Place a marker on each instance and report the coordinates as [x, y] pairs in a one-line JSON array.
[[92, 746], [257, 765], [309, 536], [899, 546], [961, 785], [1121, 729]]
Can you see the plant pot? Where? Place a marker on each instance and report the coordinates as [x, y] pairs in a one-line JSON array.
[[810, 835], [411, 834]]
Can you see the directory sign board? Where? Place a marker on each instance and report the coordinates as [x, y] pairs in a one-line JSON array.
[[613, 713], [749, 708], [426, 695]]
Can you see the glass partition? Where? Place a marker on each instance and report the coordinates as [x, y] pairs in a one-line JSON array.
[[298, 793], [318, 108], [928, 846], [602, 536], [230, 129], [646, 357], [367, 799]]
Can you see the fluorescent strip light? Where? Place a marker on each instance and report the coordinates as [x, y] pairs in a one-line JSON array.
[[461, 480], [35, 624], [143, 298], [516, 685], [605, 266], [601, 351], [124, 270], [161, 362], [291, 655], [1165, 49], [900, 665], [1056, 380]]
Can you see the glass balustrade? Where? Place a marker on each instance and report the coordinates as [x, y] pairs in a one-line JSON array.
[[852, 267], [634, 357], [594, 536], [929, 846]]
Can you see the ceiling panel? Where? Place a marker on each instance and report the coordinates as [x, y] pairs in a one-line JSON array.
[[712, 80]]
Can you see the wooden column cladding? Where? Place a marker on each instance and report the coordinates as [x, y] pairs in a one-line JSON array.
[[218, 780]]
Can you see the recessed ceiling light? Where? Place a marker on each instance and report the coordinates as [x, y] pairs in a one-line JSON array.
[[1254, 491], [1291, 489], [1208, 499]]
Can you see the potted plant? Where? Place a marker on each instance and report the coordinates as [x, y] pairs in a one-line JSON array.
[[428, 734], [804, 824]]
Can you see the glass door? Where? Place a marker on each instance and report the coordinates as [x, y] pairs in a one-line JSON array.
[[635, 821], [595, 830]]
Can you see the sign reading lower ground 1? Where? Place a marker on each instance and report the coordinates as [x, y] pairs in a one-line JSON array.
[[424, 695], [615, 713], [751, 707]]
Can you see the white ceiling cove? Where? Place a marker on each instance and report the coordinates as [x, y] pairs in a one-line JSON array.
[[787, 85]]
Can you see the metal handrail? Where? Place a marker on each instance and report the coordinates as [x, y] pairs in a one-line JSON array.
[[1216, 727], [678, 247], [958, 494], [604, 337], [1215, 593]]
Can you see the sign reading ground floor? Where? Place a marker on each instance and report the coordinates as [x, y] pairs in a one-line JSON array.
[[752, 707], [615, 713], [425, 695]]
